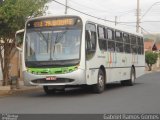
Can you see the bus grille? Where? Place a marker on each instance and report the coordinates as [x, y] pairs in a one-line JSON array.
[[58, 80]]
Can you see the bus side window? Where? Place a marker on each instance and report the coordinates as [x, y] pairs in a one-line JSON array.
[[134, 49], [142, 45], [102, 38], [90, 38], [111, 42], [119, 42], [90, 41], [127, 48], [133, 44], [133, 40], [139, 45], [118, 36], [111, 46], [126, 40], [93, 40]]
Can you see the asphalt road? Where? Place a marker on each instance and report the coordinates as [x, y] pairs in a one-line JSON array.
[[143, 97]]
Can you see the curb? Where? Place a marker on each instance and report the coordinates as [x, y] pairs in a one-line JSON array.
[[5, 90], [23, 90], [5, 93], [18, 91], [147, 72]]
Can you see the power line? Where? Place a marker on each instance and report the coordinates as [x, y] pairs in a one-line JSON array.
[[144, 30], [84, 12], [121, 23], [151, 21], [89, 7], [123, 12], [149, 9], [128, 25], [126, 22], [140, 22], [126, 13]]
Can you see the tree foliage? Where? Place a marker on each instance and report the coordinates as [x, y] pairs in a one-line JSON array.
[[13, 14], [151, 58]]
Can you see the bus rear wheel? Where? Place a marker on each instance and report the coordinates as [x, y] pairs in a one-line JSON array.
[[133, 77], [131, 81], [100, 86]]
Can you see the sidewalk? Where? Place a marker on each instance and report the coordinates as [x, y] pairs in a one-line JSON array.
[[154, 70], [6, 90], [23, 88]]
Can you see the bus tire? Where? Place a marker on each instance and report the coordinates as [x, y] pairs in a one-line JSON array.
[[131, 81], [100, 86], [47, 90]]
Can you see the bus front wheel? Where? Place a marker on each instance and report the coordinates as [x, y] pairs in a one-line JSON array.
[[100, 86]]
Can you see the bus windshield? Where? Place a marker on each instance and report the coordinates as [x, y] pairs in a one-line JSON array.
[[55, 44]]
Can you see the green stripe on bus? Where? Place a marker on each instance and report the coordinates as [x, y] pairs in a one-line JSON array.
[[52, 71]]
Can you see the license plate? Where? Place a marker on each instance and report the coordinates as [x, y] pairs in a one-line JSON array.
[[51, 78]]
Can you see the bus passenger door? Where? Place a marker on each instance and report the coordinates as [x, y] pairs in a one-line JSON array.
[[90, 41]]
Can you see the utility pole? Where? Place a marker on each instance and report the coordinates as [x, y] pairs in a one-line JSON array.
[[115, 20], [66, 6], [138, 19]]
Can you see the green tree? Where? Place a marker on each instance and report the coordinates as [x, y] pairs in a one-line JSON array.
[[151, 58], [13, 14]]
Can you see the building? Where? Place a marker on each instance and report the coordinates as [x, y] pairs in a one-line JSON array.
[[150, 46]]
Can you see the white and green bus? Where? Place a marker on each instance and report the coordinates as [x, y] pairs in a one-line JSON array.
[[61, 51]]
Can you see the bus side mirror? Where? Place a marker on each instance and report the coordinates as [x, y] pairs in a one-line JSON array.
[[18, 44], [19, 49], [19, 39]]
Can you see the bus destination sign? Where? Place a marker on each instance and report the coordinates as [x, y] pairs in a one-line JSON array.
[[51, 23]]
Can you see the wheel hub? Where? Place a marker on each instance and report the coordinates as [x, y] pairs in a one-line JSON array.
[[101, 83]]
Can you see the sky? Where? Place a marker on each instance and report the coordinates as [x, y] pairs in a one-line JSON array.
[[125, 10]]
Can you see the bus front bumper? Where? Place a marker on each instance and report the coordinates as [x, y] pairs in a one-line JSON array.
[[74, 78]]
